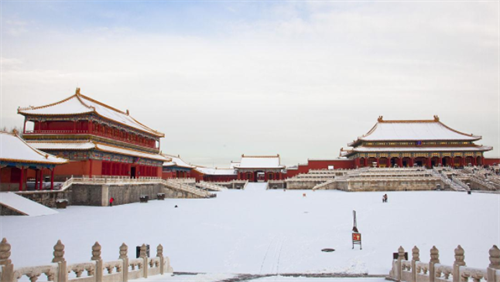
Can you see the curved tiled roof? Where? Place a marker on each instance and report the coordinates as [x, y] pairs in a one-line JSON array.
[[15, 149], [414, 130], [78, 104]]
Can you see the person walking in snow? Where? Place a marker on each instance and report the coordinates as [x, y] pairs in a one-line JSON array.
[[111, 201]]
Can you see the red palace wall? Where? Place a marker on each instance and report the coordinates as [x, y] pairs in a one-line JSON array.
[[491, 161], [320, 164]]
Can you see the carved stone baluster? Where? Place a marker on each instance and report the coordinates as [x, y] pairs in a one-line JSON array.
[[144, 256], [415, 257], [401, 256], [96, 255], [7, 273], [494, 263], [459, 261], [432, 262], [62, 273], [125, 267]]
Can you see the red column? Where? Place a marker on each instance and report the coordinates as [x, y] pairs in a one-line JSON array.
[[52, 179], [90, 169], [377, 161], [400, 162], [412, 160], [429, 163], [24, 126], [90, 126], [41, 179], [366, 161], [36, 179], [21, 180]]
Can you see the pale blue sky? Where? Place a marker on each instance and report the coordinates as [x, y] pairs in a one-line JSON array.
[[223, 78]]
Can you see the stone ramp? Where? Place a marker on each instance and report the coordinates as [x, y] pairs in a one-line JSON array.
[[256, 186], [23, 206]]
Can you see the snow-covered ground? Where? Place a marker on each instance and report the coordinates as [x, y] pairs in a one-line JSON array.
[[269, 231]]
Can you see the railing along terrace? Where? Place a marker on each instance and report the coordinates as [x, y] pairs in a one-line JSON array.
[[416, 271], [97, 133], [96, 270]]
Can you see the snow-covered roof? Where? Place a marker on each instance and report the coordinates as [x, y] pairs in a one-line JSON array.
[[413, 130], [234, 164], [15, 149], [23, 205], [260, 162], [176, 161], [216, 171], [362, 149], [80, 104], [97, 146]]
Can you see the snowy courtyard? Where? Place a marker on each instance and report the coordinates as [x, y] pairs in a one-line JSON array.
[[260, 231]]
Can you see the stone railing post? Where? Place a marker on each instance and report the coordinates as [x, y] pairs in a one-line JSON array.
[[401, 256], [7, 274], [159, 254], [432, 262], [124, 258], [414, 258], [62, 273], [144, 256], [494, 263], [96, 255], [459, 261]]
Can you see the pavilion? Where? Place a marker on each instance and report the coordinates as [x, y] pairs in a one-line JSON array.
[[98, 139], [259, 168], [17, 157], [406, 143]]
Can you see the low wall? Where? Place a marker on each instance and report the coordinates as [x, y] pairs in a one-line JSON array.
[[99, 194], [8, 211], [276, 184], [302, 184], [46, 198], [393, 185]]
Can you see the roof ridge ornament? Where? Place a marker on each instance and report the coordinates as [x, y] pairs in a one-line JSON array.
[[436, 118], [77, 92], [380, 119]]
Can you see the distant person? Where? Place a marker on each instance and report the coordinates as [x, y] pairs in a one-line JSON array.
[[111, 200], [303, 195], [175, 206], [384, 198]]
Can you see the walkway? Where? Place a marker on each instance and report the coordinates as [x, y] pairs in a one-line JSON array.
[[256, 186]]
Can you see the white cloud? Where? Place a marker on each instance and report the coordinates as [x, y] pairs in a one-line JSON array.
[[301, 83]]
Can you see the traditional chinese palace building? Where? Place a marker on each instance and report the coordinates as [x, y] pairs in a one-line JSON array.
[[99, 140], [415, 142], [175, 167], [17, 158], [260, 168]]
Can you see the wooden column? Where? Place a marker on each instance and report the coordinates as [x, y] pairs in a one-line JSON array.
[[90, 169], [36, 179], [429, 162], [21, 179], [52, 178], [41, 179], [378, 159]]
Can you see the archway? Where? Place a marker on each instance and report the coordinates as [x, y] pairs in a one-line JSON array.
[[479, 160], [435, 161], [406, 162], [394, 162], [447, 161], [420, 161], [371, 161], [457, 162], [469, 161], [383, 162]]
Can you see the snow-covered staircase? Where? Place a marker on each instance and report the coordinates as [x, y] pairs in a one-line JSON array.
[[323, 185], [210, 186]]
